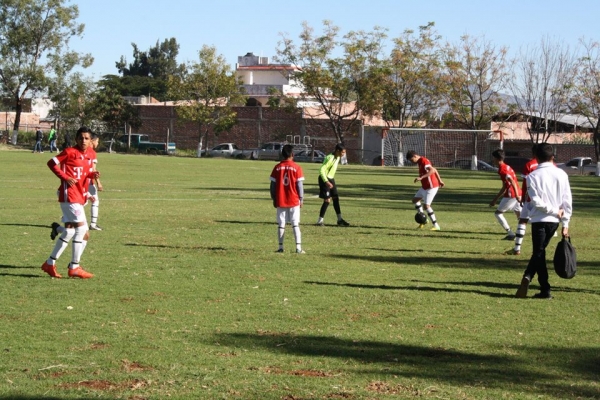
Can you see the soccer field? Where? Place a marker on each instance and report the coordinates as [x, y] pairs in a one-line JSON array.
[[190, 300]]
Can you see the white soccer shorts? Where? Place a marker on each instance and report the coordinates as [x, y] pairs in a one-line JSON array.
[[288, 214], [73, 212], [509, 204], [427, 195]]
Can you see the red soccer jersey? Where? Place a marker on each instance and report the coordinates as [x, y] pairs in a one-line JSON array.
[[430, 182], [507, 174], [72, 163], [91, 153], [286, 175], [527, 169]]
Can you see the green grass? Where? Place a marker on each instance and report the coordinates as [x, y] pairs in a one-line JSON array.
[[191, 301]]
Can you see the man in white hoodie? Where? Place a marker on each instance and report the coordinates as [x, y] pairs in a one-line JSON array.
[[550, 203]]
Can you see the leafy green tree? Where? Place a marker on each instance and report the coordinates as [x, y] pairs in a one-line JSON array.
[[585, 98], [413, 90], [474, 73], [72, 97], [209, 89], [149, 71], [113, 112], [34, 33], [343, 86]]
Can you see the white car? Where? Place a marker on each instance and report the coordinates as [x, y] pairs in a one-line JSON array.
[[222, 150], [578, 166]]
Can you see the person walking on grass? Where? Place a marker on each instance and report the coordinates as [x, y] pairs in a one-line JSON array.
[[550, 197], [287, 193], [510, 193], [327, 187], [95, 185], [430, 183], [39, 136], [73, 166], [52, 140]]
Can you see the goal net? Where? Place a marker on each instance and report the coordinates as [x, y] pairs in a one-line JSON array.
[[443, 147]]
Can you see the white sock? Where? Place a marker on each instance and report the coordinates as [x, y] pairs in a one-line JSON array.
[[418, 206], [339, 217], [281, 236], [320, 220], [432, 217], [298, 237], [520, 235], [502, 221], [77, 246], [61, 244], [95, 208]]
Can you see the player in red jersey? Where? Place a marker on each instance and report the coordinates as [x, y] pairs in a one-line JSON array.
[[525, 203], [510, 193], [73, 166], [287, 192], [430, 183]]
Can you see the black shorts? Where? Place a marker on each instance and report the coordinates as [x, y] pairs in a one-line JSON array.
[[325, 192]]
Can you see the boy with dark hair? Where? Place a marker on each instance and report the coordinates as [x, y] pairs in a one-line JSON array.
[[73, 167], [328, 188], [287, 193], [510, 193], [430, 183], [549, 192]]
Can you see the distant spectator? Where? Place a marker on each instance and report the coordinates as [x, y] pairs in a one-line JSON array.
[[39, 136], [52, 140]]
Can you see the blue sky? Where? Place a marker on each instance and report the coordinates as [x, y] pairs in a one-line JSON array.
[[237, 27]]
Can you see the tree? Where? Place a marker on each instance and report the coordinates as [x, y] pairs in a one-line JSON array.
[[72, 97], [585, 98], [111, 109], [34, 33], [412, 89], [210, 88], [474, 72], [149, 71], [342, 86], [540, 85]]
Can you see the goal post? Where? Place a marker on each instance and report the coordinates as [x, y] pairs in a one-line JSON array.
[[443, 147]]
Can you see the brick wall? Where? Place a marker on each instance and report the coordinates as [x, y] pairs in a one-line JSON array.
[[256, 125]]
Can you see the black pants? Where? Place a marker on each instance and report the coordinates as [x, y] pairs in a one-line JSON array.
[[541, 233]]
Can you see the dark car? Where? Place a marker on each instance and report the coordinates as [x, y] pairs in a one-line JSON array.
[[466, 164], [307, 156]]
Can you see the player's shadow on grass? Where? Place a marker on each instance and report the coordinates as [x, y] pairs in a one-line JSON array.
[[164, 246], [556, 287], [425, 288], [4, 266], [428, 363], [29, 225], [433, 261]]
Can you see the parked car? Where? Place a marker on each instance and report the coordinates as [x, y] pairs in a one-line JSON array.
[[143, 144], [271, 151], [578, 166], [309, 156], [221, 150], [466, 164]]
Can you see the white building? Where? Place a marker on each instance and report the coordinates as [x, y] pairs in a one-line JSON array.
[[259, 77]]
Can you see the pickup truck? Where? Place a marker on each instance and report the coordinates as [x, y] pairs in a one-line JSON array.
[[142, 143], [579, 166]]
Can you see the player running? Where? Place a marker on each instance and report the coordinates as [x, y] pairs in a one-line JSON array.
[[430, 183], [510, 193]]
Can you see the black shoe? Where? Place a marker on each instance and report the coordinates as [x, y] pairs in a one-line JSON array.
[[279, 251], [54, 232], [341, 222], [542, 295], [522, 291], [319, 224]]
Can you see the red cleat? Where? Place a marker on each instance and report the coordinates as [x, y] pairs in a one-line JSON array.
[[79, 273], [50, 270]]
